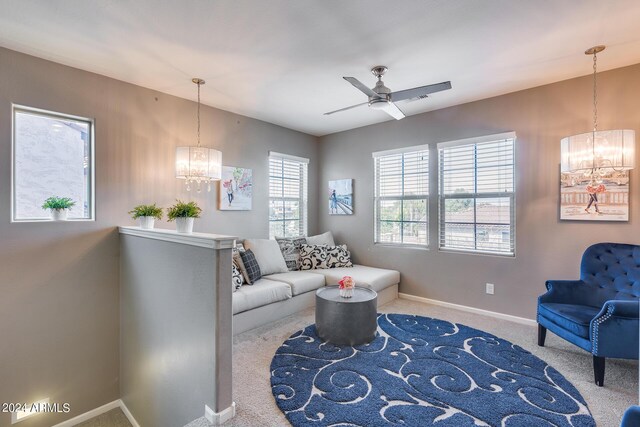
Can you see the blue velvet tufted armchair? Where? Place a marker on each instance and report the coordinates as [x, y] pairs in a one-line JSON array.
[[599, 312]]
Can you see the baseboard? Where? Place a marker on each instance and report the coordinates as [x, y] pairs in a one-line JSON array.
[[516, 319], [99, 411], [127, 414], [217, 418]]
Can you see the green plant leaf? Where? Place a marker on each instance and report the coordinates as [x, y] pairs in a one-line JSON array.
[[57, 203], [183, 210], [146, 210]]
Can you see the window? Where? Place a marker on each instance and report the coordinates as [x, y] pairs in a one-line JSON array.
[[477, 198], [52, 156], [287, 195], [402, 196]]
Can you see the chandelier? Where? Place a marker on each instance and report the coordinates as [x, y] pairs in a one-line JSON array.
[[598, 153], [198, 165]]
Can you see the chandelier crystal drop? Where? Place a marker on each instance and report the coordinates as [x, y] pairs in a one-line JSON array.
[[198, 165]]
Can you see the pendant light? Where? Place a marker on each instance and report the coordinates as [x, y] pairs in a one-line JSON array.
[[198, 165], [598, 153]]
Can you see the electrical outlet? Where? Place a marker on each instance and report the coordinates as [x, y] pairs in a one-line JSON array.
[[489, 288]]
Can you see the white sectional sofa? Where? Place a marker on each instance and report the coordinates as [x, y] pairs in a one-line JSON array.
[[278, 295]]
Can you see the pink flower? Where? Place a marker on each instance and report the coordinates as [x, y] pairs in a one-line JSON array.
[[347, 282]]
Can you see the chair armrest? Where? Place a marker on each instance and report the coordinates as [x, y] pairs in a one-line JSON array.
[[620, 308], [614, 330], [564, 291]]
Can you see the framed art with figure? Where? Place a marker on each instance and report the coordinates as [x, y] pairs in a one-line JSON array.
[[600, 198], [236, 186]]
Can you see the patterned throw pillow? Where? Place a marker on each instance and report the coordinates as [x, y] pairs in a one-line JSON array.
[[338, 256], [290, 249], [237, 260], [251, 265], [236, 277], [313, 257]]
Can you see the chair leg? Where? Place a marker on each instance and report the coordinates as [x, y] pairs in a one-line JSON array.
[[542, 335], [598, 370]]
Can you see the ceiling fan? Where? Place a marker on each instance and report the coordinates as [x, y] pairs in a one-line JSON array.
[[381, 97]]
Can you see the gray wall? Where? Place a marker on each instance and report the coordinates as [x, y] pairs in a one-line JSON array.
[[59, 305], [545, 247], [168, 357]]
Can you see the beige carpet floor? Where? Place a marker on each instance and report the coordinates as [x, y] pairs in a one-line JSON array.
[[254, 349], [113, 418]]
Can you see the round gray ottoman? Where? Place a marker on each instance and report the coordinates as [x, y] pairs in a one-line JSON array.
[[346, 321]]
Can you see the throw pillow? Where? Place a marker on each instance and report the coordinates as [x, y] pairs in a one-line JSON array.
[[338, 256], [321, 239], [237, 260], [251, 264], [268, 255], [290, 249], [236, 277], [313, 257]]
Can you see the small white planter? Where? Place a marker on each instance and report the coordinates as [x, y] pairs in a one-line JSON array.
[[147, 222], [184, 225], [346, 293], [59, 214]]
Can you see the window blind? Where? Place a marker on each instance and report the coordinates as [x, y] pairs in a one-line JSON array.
[[402, 196], [287, 195], [477, 196]]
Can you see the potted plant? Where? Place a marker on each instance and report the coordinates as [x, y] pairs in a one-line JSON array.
[[147, 214], [184, 214], [59, 207]]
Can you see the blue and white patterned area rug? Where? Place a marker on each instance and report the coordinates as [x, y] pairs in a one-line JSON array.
[[421, 372]]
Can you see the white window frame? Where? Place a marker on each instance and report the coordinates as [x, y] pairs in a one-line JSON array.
[[377, 198], [475, 195], [46, 113], [303, 196]]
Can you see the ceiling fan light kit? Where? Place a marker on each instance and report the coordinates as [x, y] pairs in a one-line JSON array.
[[381, 98]]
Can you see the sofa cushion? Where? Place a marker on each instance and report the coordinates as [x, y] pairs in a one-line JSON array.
[[369, 277], [262, 292], [571, 317], [268, 255], [290, 248], [313, 257], [252, 268], [338, 256], [321, 239], [300, 281], [236, 277]]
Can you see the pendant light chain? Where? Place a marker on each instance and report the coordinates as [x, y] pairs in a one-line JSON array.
[[199, 83], [595, 118], [595, 93]]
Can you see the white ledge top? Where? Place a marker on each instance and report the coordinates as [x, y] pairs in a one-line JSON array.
[[204, 240]]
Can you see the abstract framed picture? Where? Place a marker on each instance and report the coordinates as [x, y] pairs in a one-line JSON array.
[[341, 197], [236, 189], [605, 198]]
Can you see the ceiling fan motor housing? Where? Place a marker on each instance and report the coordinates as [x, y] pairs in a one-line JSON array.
[[382, 91]]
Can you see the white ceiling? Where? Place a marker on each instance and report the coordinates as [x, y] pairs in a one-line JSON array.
[[282, 60]]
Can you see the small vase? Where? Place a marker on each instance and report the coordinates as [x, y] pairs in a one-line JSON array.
[[147, 222], [184, 225], [346, 293], [59, 214]]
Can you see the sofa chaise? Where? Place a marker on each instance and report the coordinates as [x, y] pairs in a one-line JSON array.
[[281, 294]]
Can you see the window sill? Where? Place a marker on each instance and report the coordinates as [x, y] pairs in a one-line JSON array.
[[401, 246], [467, 252], [40, 221]]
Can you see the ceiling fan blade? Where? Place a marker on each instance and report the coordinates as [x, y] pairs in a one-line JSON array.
[[361, 87], [419, 92], [345, 108], [393, 110]]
